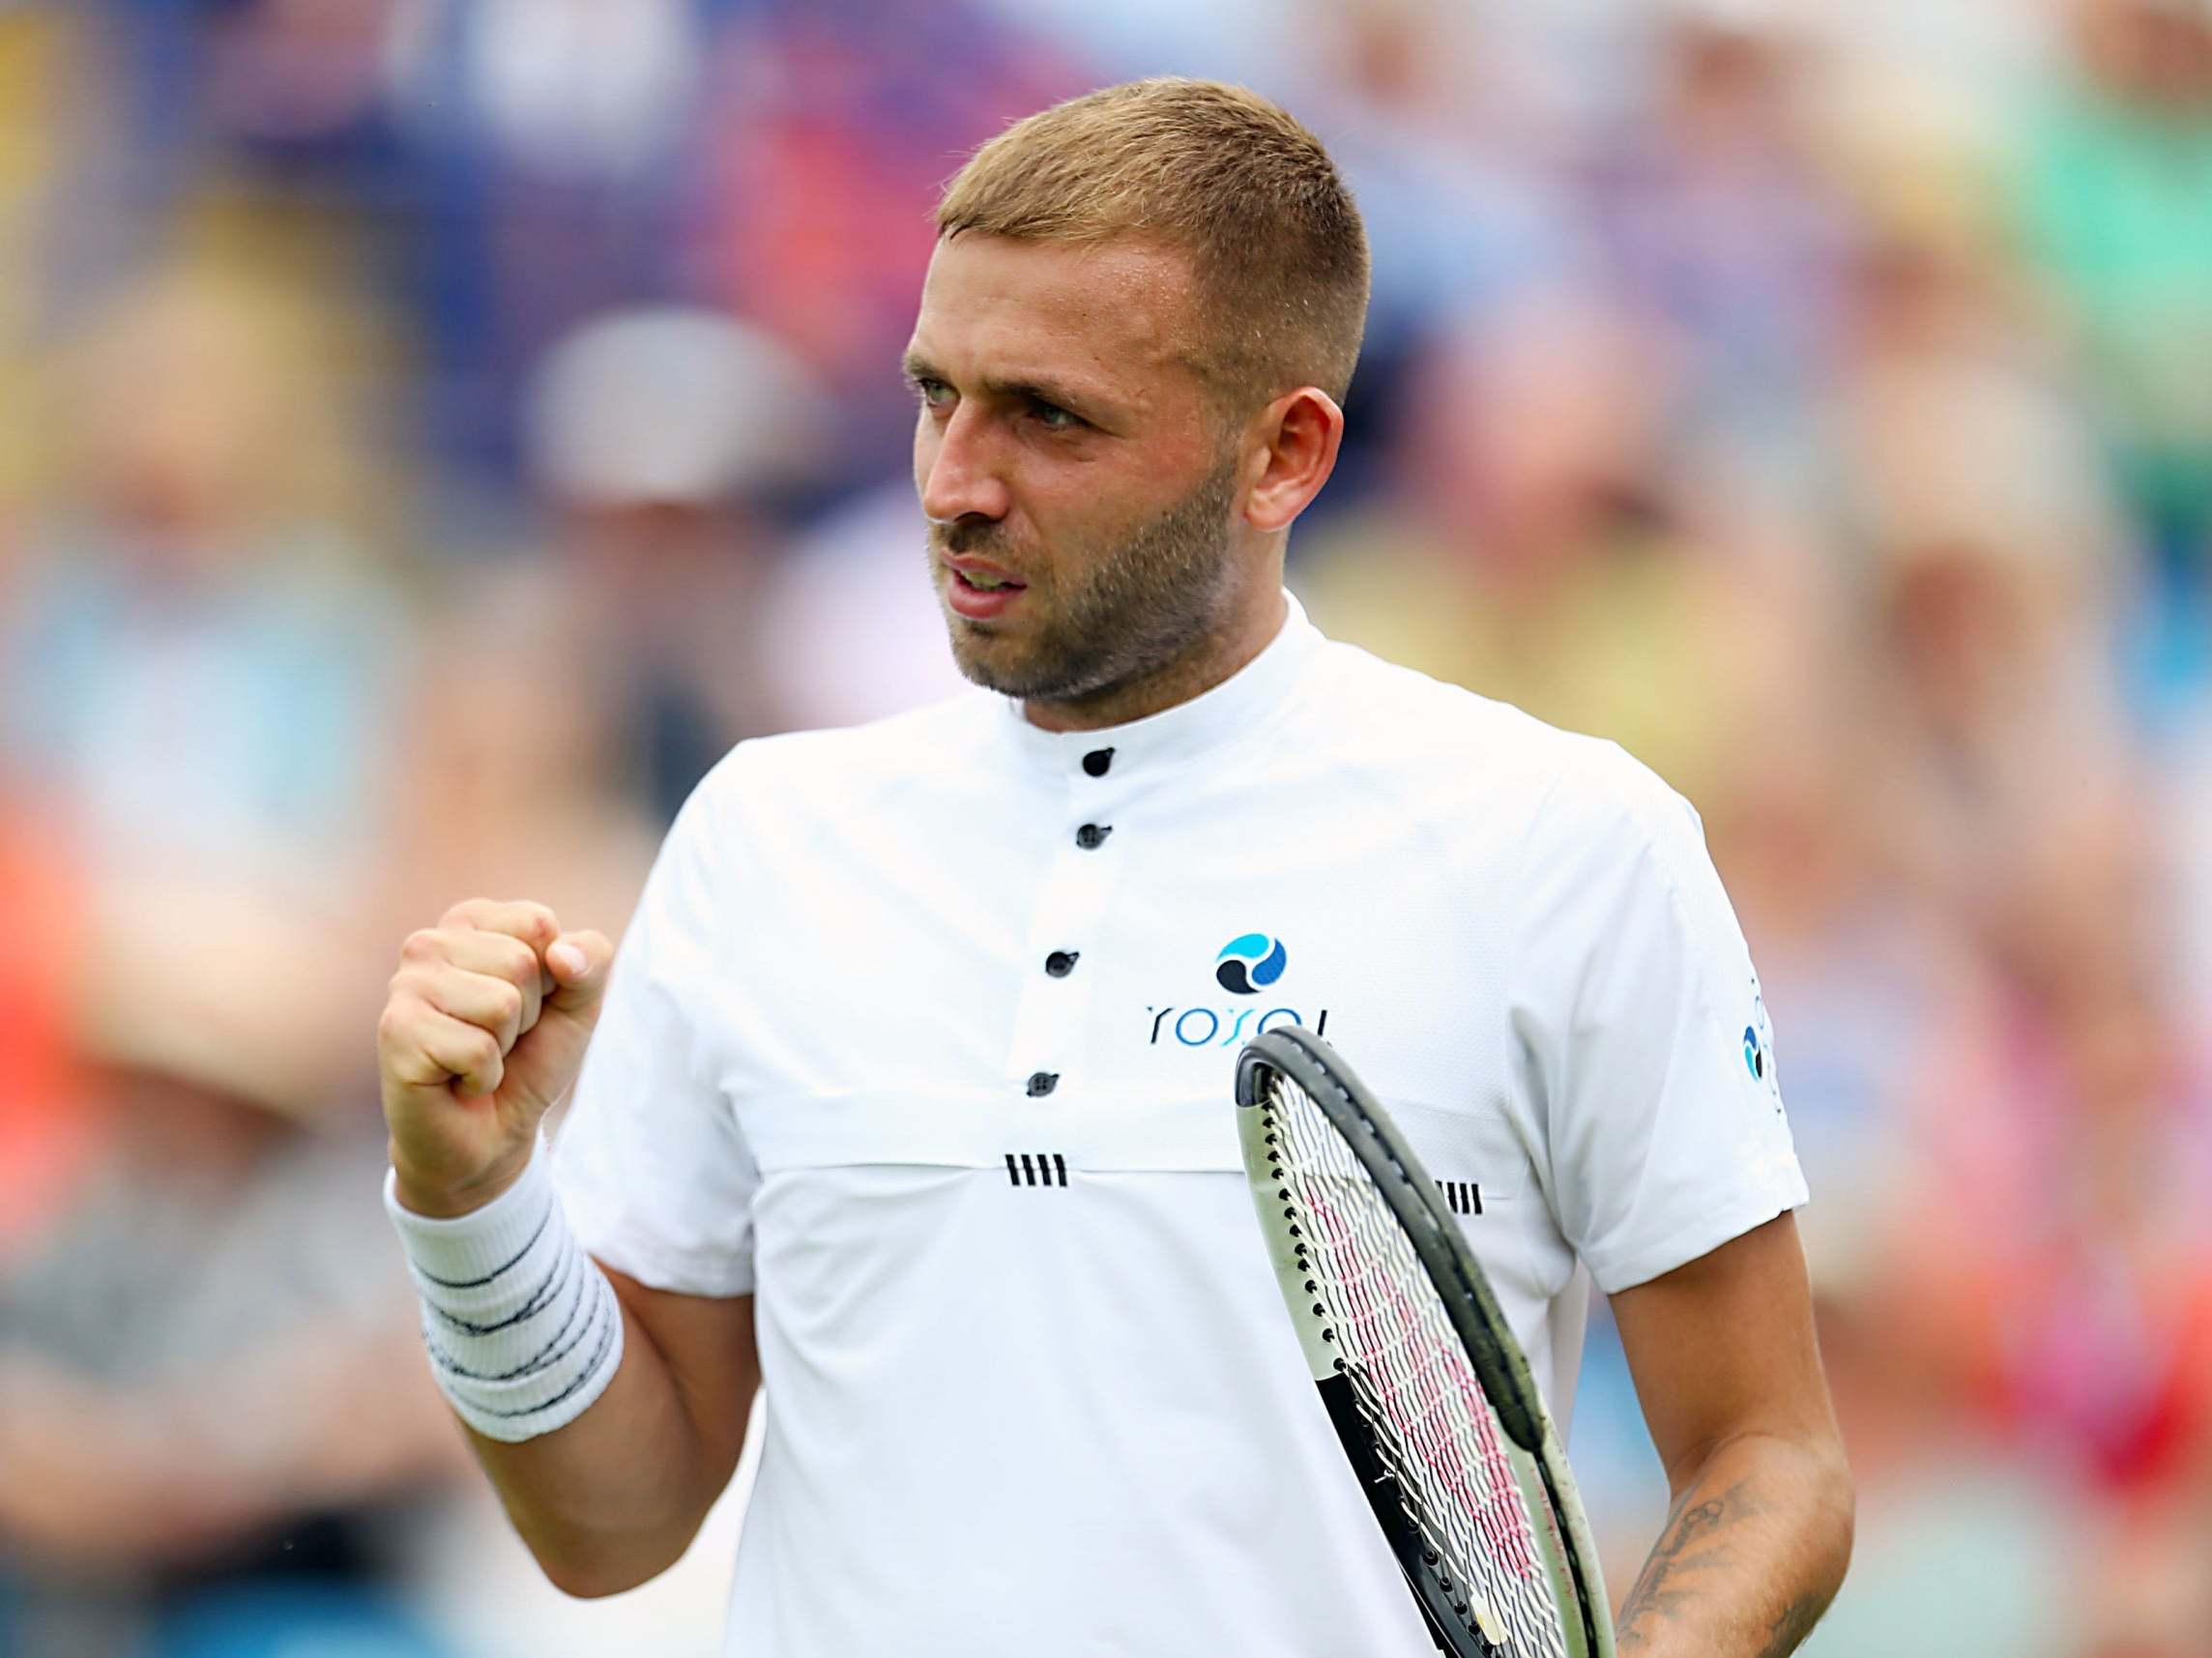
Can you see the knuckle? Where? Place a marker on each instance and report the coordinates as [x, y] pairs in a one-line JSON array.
[[424, 943], [507, 1005], [410, 1064], [462, 914], [392, 1025]]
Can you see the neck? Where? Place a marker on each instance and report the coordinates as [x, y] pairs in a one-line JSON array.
[[1211, 660]]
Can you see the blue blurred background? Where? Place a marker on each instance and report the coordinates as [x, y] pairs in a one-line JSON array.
[[1817, 399]]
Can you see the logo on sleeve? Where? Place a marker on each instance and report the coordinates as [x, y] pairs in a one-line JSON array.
[[1758, 1045], [1250, 963]]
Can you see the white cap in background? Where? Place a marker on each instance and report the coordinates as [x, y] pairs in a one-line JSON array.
[[670, 405]]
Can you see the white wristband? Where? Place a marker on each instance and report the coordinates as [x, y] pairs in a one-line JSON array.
[[523, 1328]]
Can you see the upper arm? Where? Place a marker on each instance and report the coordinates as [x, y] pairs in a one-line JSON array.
[[1724, 1346], [707, 1346]]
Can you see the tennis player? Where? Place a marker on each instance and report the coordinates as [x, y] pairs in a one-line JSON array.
[[909, 1095]]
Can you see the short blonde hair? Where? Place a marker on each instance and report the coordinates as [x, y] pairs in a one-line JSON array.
[[1217, 173]]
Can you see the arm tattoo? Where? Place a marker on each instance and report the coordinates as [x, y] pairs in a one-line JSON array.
[[1790, 1627], [1693, 1544]]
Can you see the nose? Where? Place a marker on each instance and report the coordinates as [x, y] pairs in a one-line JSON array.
[[957, 470]]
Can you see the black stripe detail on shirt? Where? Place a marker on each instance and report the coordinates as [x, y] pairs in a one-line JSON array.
[[1462, 1197], [1036, 1168]]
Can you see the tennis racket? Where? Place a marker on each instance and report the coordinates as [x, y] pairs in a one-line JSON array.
[[1425, 1384]]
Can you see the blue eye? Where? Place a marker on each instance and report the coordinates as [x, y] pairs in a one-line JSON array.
[[935, 393], [1054, 418]]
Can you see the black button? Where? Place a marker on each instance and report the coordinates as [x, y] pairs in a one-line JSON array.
[[1061, 963], [1042, 1083], [1092, 836], [1097, 759]]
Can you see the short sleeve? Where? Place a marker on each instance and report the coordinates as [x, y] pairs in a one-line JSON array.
[[651, 1166], [1644, 1051]]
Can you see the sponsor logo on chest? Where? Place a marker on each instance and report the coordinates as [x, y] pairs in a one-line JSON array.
[[1250, 967]]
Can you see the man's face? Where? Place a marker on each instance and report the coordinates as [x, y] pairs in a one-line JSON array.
[[1077, 478]]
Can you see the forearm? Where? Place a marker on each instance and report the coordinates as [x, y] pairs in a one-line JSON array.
[[614, 1498], [608, 1415], [1753, 1549]]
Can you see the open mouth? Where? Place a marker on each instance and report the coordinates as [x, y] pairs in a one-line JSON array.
[[986, 581], [982, 594]]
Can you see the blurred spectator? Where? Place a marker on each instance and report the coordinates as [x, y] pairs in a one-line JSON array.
[[34, 52], [832, 124], [2182, 807], [299, 78], [2055, 1280], [1964, 1548], [198, 679], [2116, 177], [563, 88], [1535, 553], [549, 147], [47, 1126], [200, 668], [1237, 40], [1718, 215], [522, 781], [1458, 159], [211, 1385], [197, 654], [1992, 575], [660, 441]]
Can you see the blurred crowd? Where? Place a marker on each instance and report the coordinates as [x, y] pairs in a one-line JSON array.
[[432, 431]]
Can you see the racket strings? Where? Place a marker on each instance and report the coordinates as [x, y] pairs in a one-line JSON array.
[[1435, 1398], [1436, 1432]]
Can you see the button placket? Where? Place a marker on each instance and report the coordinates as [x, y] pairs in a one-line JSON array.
[[1052, 1014]]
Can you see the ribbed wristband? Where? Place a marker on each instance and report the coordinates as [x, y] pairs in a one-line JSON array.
[[522, 1327]]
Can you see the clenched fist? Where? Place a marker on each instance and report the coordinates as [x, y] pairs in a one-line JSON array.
[[484, 1029]]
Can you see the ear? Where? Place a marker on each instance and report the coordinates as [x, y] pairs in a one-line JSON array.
[[1297, 438]]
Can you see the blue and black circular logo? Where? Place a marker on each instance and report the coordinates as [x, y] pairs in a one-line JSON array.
[[1250, 963], [1754, 1053]]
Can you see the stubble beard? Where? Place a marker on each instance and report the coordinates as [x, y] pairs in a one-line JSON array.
[[1112, 621]]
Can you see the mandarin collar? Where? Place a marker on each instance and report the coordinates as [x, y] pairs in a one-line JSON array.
[[1212, 718]]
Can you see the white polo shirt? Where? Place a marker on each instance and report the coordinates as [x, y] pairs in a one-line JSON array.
[[923, 1035]]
